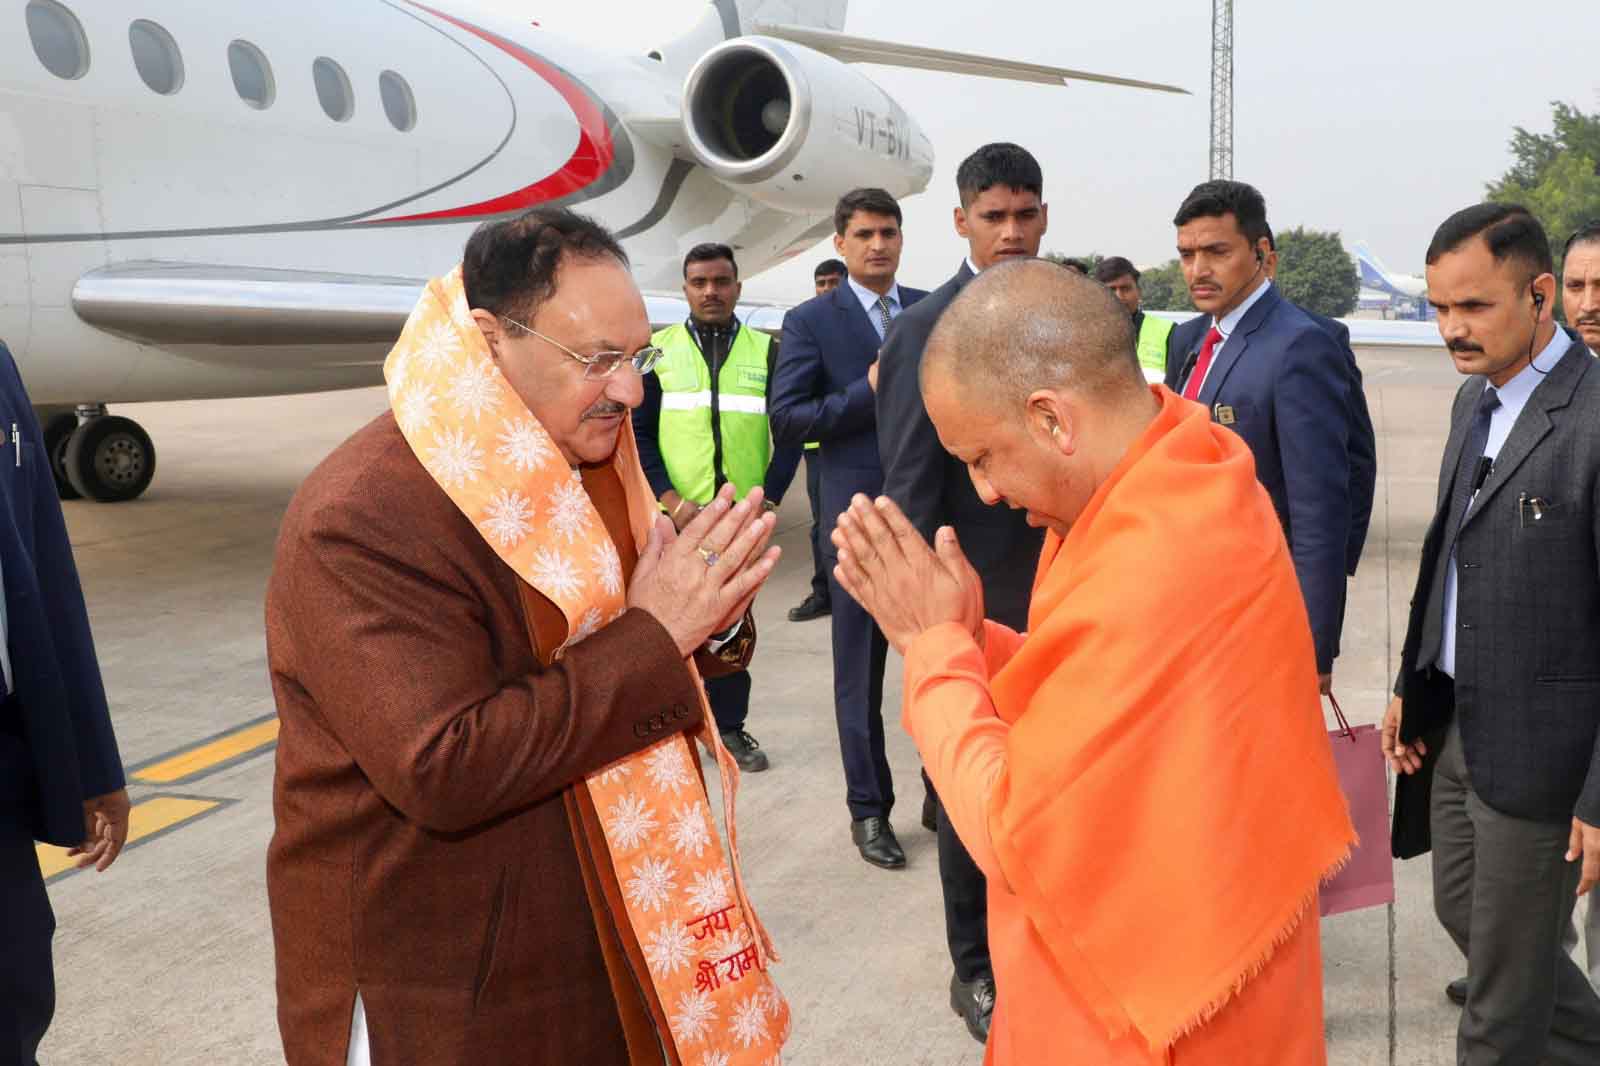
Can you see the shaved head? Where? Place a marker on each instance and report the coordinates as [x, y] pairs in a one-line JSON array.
[[1031, 380], [1032, 324]]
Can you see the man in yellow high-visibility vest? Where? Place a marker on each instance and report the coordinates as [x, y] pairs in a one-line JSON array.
[[703, 423], [1122, 278]]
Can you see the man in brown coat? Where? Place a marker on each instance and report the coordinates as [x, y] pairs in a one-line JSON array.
[[439, 879]]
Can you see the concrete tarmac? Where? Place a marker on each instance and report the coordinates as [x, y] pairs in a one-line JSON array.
[[167, 958]]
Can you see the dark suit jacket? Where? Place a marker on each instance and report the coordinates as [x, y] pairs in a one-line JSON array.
[[820, 393], [1186, 339], [1288, 386], [1527, 684], [931, 486], [429, 846], [63, 743]]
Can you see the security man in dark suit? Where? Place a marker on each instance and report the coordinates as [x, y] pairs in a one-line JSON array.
[[1185, 340], [60, 775], [1494, 731], [823, 391], [1002, 216], [828, 275], [1275, 377]]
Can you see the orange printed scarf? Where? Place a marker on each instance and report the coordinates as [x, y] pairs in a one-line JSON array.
[[686, 903]]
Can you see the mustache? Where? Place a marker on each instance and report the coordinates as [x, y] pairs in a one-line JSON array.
[[1463, 346], [1587, 320], [604, 409]]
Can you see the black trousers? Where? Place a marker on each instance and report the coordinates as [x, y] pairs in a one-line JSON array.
[[859, 654], [27, 924], [730, 700], [966, 901], [819, 536]]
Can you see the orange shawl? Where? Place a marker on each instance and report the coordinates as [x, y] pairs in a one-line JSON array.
[[1169, 804]]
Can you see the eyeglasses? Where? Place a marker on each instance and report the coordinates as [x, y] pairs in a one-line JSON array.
[[600, 364]]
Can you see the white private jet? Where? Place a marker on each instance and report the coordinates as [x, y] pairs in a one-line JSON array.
[[218, 199]]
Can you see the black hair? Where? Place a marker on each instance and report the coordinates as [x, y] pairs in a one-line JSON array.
[[872, 201], [1076, 264], [1587, 233], [1113, 267], [1213, 199], [1510, 231], [1001, 163], [509, 267], [710, 253], [829, 268]]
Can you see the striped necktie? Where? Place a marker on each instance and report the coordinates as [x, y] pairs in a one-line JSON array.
[[882, 307]]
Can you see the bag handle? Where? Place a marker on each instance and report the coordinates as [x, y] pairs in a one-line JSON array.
[[1344, 723]]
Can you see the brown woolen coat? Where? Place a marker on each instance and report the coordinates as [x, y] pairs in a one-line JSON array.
[[430, 849]]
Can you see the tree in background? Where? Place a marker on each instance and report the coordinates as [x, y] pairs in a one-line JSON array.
[[1162, 288], [1089, 261], [1317, 273], [1556, 175]]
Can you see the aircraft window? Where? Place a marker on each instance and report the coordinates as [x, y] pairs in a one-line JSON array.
[[333, 89], [398, 102], [156, 56], [58, 39], [252, 75]]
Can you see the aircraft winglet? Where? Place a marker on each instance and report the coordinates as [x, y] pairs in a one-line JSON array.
[[848, 49]]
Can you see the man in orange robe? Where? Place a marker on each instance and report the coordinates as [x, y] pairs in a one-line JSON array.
[[1144, 776]]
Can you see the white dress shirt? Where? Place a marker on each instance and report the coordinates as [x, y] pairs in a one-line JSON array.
[[1513, 398], [869, 302], [1226, 325]]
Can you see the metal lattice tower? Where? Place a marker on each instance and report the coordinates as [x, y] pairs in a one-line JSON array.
[[1221, 89]]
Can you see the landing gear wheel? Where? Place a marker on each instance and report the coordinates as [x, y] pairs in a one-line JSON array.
[[110, 459], [57, 432]]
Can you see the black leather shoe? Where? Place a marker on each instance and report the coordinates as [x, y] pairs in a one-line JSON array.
[[813, 606], [1456, 991], [745, 751], [930, 813], [974, 1001], [875, 839]]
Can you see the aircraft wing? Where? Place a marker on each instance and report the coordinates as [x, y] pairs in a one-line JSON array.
[[283, 319], [848, 49]]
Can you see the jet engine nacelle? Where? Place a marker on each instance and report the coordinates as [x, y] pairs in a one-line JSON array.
[[796, 129]]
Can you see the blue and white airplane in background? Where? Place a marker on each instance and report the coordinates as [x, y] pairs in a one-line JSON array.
[[1406, 294]]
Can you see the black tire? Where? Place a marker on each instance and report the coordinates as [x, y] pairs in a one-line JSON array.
[[110, 459], [57, 432]]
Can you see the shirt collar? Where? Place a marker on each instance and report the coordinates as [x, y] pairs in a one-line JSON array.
[[973, 267], [869, 299], [1230, 321], [1514, 393]]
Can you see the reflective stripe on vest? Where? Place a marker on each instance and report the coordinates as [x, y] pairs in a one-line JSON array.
[[685, 436], [1153, 333]]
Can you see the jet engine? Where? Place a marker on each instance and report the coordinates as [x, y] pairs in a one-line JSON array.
[[796, 129]]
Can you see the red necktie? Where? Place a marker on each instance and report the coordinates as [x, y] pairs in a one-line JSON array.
[[1197, 376]]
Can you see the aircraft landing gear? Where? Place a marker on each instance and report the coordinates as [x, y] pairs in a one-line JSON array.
[[104, 457], [58, 429]]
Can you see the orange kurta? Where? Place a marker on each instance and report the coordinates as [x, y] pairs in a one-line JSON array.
[[1145, 777]]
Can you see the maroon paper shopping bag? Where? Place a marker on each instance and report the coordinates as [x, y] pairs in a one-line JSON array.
[[1367, 880]]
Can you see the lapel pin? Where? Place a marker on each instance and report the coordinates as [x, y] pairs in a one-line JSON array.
[[1224, 414]]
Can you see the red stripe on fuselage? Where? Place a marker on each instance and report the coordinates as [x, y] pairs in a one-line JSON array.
[[590, 159]]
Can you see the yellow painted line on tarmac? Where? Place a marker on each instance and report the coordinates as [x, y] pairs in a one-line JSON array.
[[228, 747], [149, 818]]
